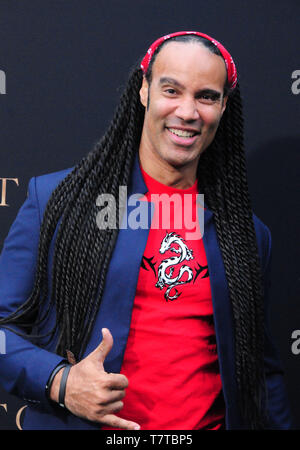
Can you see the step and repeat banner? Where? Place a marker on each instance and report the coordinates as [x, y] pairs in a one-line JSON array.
[[63, 64]]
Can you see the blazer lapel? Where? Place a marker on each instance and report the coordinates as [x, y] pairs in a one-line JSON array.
[[121, 280]]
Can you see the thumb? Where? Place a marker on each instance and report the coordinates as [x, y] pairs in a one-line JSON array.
[[105, 346]]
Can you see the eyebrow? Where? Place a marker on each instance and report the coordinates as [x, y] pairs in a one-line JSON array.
[[168, 80]]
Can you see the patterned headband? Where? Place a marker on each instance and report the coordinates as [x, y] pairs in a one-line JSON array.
[[230, 66]]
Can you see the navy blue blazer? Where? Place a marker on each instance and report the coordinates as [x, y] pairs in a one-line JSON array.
[[25, 367]]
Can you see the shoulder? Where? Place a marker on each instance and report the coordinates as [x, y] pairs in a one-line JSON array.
[[44, 185]]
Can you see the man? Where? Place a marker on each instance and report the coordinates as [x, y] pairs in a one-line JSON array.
[[184, 333]]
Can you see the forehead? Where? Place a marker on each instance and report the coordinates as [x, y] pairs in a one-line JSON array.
[[190, 63]]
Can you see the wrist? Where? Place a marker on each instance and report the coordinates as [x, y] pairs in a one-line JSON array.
[[54, 388], [63, 385], [51, 392]]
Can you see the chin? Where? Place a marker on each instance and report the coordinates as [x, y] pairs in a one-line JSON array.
[[180, 162], [183, 159]]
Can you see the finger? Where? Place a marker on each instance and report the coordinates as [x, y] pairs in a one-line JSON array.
[[104, 347], [113, 408], [113, 421], [113, 396], [116, 381]]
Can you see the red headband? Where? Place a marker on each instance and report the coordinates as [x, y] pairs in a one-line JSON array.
[[230, 66]]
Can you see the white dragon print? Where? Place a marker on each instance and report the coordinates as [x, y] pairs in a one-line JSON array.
[[184, 253]]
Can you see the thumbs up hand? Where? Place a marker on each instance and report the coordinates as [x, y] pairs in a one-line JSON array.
[[92, 393]]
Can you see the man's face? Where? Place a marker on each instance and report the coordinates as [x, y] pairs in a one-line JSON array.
[[186, 104]]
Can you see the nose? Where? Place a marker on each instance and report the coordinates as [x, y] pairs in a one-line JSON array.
[[187, 109]]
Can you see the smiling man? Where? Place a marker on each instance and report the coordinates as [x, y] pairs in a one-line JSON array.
[[185, 339], [187, 103]]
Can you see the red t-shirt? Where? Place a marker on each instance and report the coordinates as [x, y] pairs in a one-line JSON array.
[[171, 358]]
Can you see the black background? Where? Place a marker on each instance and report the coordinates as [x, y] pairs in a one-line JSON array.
[[66, 62]]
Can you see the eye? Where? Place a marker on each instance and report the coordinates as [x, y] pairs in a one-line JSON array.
[[208, 98], [170, 91]]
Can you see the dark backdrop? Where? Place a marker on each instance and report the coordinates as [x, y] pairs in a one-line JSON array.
[[63, 65]]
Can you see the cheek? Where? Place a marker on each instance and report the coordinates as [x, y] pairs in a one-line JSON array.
[[211, 118], [160, 110]]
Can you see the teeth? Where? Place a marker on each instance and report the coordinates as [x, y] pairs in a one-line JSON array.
[[182, 133]]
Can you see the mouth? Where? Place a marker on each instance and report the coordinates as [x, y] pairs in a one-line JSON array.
[[183, 137]]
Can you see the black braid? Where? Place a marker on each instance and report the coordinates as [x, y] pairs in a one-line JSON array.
[[228, 198], [82, 252], [79, 242]]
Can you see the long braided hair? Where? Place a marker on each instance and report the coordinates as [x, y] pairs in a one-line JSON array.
[[82, 251]]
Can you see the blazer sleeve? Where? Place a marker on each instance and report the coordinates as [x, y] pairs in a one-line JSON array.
[[277, 399], [24, 367]]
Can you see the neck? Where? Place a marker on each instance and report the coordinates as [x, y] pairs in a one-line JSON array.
[[177, 177]]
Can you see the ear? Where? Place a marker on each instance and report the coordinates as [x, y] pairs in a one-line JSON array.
[[144, 92]]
